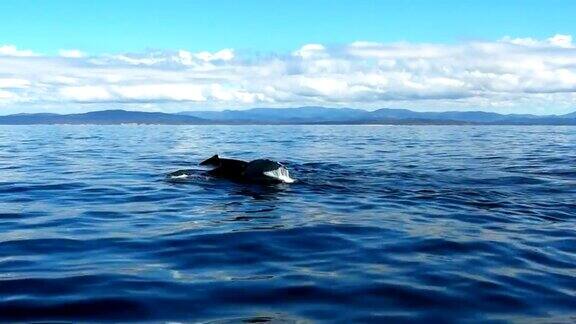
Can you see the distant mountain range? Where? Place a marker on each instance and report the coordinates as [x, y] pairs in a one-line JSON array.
[[301, 115], [104, 117]]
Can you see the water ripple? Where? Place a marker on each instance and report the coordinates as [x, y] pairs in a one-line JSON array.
[[385, 224]]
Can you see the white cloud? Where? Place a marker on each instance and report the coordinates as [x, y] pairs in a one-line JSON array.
[[11, 50], [73, 53], [311, 51], [508, 75], [85, 93], [4, 95], [561, 41], [558, 40], [521, 41], [160, 92], [223, 55], [181, 57], [13, 83], [59, 80]]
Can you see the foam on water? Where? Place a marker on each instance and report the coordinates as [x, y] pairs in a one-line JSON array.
[[281, 174]]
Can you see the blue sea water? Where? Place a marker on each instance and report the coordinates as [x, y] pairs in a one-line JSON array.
[[385, 224]]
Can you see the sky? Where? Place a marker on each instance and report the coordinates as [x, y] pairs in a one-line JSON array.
[[73, 56]]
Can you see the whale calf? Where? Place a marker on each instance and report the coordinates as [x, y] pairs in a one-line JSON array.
[[258, 171]]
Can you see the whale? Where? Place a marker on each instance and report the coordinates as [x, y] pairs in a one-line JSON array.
[[255, 171]]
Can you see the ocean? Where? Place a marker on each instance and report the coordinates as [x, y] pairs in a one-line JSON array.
[[384, 224]]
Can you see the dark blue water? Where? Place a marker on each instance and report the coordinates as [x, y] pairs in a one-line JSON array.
[[435, 223]]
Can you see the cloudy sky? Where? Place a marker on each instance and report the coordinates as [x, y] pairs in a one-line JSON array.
[[504, 56]]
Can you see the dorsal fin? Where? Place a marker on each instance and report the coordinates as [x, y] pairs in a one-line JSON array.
[[214, 160]]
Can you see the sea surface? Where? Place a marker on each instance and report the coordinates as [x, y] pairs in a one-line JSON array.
[[385, 224]]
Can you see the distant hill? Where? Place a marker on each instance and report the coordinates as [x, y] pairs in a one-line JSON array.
[[466, 116], [571, 115], [101, 117], [275, 115], [323, 115], [300, 115]]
